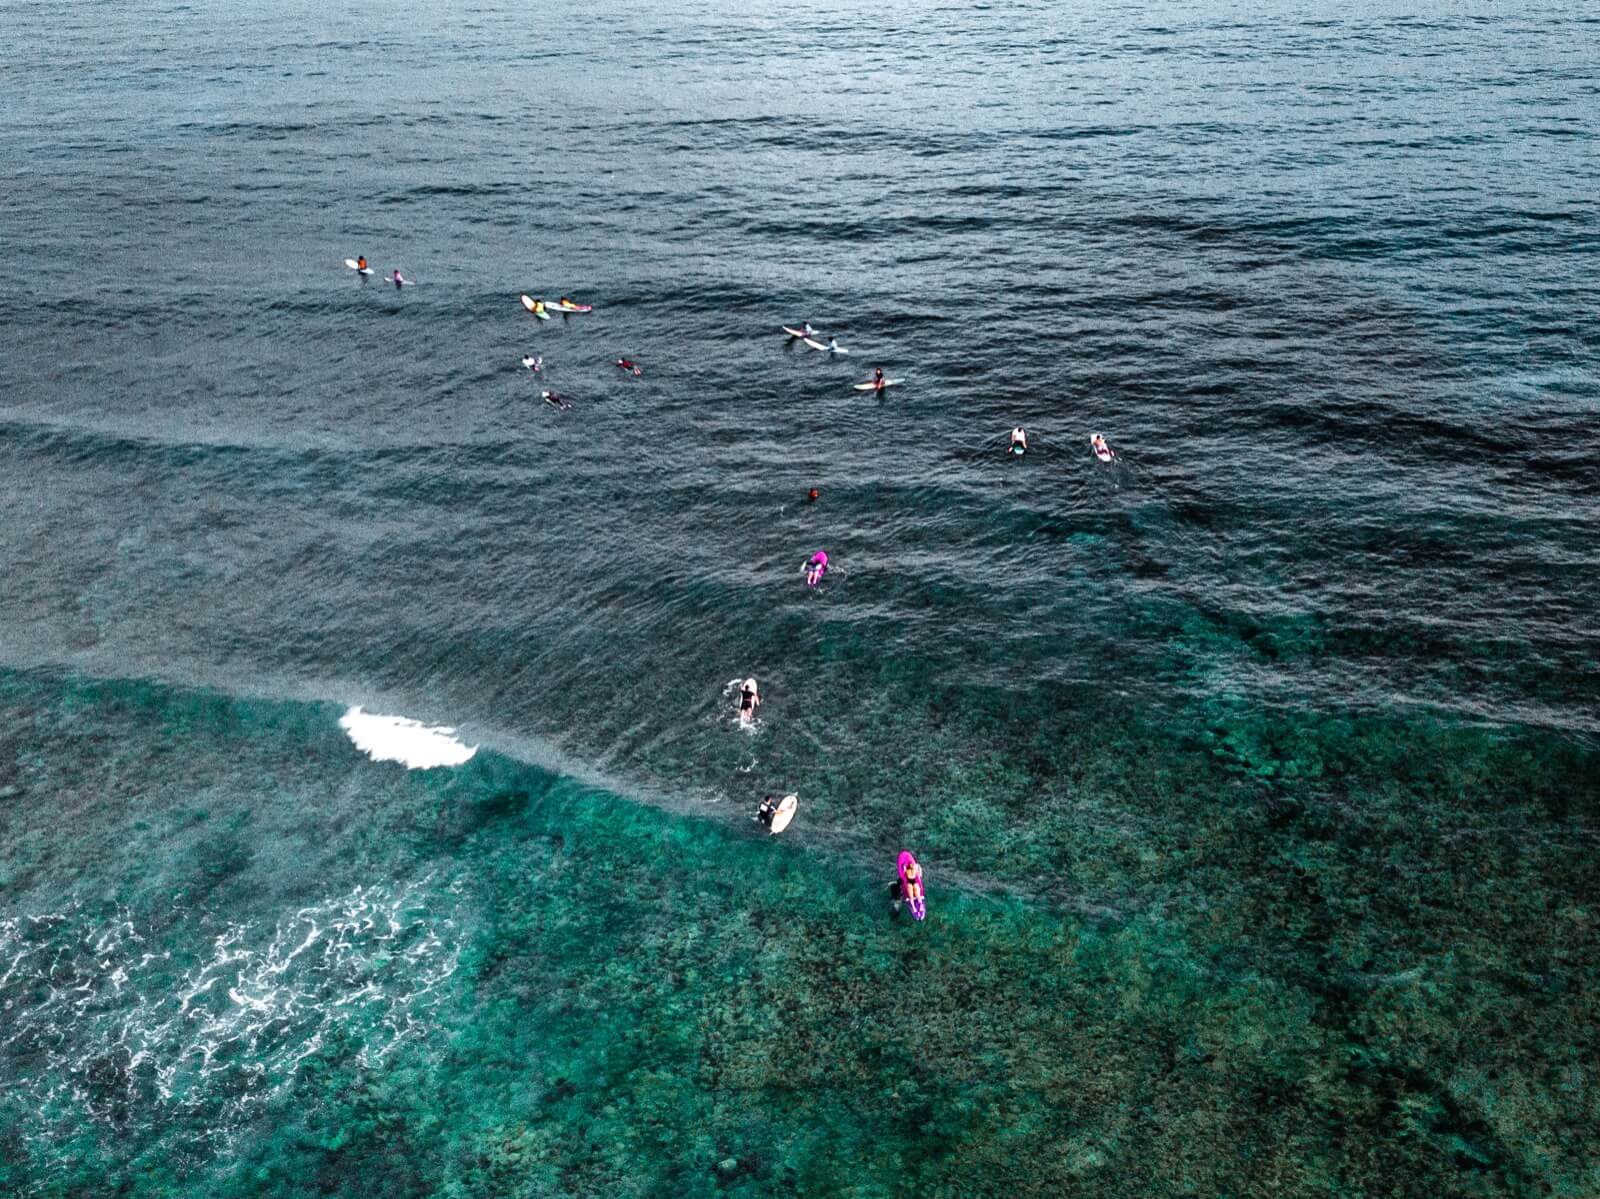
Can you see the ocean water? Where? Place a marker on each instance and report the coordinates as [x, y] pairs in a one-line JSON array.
[[1257, 774]]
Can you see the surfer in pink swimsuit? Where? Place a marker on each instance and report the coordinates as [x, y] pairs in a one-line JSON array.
[[911, 885], [817, 567]]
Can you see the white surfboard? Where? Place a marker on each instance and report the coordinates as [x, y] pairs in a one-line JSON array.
[[874, 386], [815, 344], [528, 302], [794, 332], [559, 307], [358, 269], [785, 813]]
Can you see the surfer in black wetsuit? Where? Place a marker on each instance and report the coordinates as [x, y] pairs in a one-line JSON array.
[[749, 700], [767, 810]]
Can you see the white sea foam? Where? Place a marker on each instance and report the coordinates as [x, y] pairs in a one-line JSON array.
[[233, 1013], [415, 745]]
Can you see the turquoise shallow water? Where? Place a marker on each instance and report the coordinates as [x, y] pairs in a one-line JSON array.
[[243, 959], [1255, 774]]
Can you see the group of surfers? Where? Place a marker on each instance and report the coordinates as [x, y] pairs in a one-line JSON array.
[[1102, 448], [364, 270], [909, 884]]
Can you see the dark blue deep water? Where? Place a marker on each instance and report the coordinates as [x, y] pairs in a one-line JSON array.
[[1257, 773]]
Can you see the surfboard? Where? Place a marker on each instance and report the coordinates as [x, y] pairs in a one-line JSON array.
[[528, 303], [785, 813], [1105, 455], [403, 281], [570, 307], [360, 270], [874, 386], [794, 332]]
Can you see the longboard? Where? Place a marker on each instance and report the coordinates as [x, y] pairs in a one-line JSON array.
[[874, 386], [360, 270], [785, 813]]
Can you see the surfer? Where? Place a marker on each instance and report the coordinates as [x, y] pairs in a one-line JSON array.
[[749, 701], [1102, 451], [1019, 441], [911, 884], [538, 307], [811, 496], [397, 279], [628, 364], [558, 402], [816, 568], [767, 810], [361, 263], [533, 363], [878, 382]]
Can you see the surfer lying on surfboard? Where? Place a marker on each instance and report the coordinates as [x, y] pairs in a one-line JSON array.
[[558, 402], [1102, 451], [816, 568], [1019, 441], [532, 363], [749, 701], [628, 364]]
